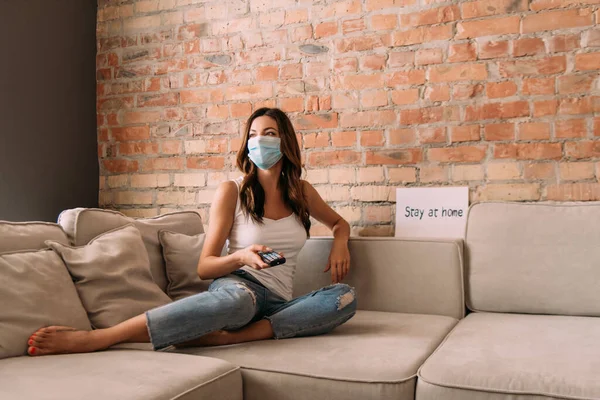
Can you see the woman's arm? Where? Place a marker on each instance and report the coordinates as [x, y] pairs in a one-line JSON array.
[[339, 258], [222, 212]]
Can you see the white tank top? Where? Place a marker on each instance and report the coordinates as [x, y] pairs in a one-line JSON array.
[[286, 235]]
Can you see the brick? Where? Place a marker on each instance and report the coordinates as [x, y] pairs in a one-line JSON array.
[[449, 73], [433, 173], [575, 171], [484, 8], [373, 62], [206, 146], [496, 90], [368, 118], [394, 157], [171, 147], [141, 23], [537, 170], [534, 131], [158, 100], [582, 149], [574, 106], [374, 98], [358, 82], [137, 148], [267, 73], [563, 43], [175, 197], [538, 86], [571, 128], [465, 133], [343, 138], [493, 49], [497, 110], [326, 29], [163, 163], [317, 69], [296, 16], [205, 196], [249, 92], [117, 181], [597, 129], [467, 173], [202, 96], [338, 157], [528, 151], [342, 175], [353, 25], [350, 214], [457, 154], [130, 133], [407, 96], [431, 16], [292, 104], [360, 43], [372, 5], [574, 192], [412, 77], [587, 61], [537, 5], [345, 100], [432, 135], [120, 166], [150, 180], [462, 52], [422, 34], [398, 59], [427, 115], [503, 171], [467, 91], [546, 66], [218, 111], [291, 71], [402, 137], [591, 38], [488, 27], [317, 121], [528, 47], [130, 197], [402, 175], [377, 214], [370, 175], [348, 64], [437, 93], [545, 107], [384, 22], [210, 162], [428, 56], [569, 84], [372, 138], [551, 20], [508, 192], [312, 140], [316, 176], [371, 193], [502, 131]]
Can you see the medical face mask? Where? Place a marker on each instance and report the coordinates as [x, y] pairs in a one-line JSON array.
[[264, 151]]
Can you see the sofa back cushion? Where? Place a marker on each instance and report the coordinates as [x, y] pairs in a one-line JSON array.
[[420, 276], [16, 236], [84, 224], [36, 292], [536, 258]]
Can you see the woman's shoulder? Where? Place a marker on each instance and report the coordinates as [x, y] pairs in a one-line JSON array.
[[227, 193]]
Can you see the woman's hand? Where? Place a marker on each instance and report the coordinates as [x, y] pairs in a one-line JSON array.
[[249, 256], [339, 261]]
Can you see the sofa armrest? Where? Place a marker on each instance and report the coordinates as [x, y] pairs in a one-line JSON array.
[[420, 276]]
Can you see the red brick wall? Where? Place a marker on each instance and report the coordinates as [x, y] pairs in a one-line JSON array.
[[499, 95]]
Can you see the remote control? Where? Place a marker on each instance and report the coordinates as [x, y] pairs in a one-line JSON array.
[[272, 258]]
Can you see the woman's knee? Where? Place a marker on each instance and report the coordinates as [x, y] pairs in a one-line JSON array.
[[346, 298], [241, 304]]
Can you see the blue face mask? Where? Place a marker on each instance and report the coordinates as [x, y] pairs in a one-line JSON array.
[[264, 151]]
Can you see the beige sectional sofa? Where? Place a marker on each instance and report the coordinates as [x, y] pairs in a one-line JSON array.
[[531, 276]]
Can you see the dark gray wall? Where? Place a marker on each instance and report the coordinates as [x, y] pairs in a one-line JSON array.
[[48, 150]]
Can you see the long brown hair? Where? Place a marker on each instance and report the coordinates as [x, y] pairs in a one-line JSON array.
[[252, 194]]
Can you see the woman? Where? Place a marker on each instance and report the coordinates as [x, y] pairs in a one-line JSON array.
[[269, 208]]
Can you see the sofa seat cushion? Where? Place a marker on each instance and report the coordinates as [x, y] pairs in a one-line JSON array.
[[515, 354], [119, 375], [374, 355]]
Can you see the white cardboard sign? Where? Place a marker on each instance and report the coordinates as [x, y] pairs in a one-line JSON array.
[[432, 212]]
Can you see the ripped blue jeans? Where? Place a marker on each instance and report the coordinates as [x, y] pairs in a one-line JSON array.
[[237, 300]]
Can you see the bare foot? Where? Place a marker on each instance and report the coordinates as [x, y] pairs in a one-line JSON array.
[[64, 340], [217, 338]]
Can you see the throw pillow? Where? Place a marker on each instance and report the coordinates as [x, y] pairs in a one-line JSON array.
[[36, 291], [112, 276], [181, 253]]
